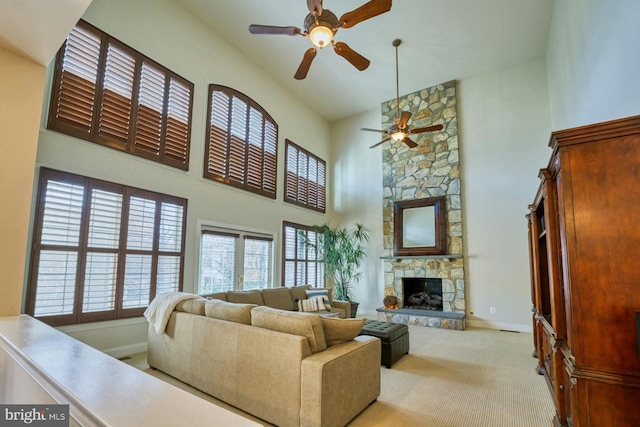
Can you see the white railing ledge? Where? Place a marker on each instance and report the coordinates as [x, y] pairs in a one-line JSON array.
[[100, 390]]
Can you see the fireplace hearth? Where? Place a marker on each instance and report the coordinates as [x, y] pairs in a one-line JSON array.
[[422, 293]]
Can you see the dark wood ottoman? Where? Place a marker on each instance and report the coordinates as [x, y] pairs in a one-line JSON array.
[[394, 337]]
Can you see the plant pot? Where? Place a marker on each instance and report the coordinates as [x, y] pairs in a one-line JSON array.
[[354, 308]]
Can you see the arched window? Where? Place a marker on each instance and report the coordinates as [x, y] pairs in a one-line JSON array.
[[242, 142]]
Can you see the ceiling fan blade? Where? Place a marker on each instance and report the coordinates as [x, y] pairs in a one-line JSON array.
[[373, 130], [270, 29], [357, 60], [404, 119], [379, 143], [426, 129], [409, 142], [315, 6], [364, 12], [307, 59]]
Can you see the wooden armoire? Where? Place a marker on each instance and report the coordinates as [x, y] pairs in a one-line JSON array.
[[584, 239]]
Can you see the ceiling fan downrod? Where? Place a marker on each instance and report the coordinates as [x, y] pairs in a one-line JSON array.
[[395, 44]]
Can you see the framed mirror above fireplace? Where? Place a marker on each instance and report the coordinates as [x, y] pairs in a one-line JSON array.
[[419, 227]]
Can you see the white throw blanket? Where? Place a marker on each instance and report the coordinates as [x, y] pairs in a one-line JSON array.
[[162, 306]]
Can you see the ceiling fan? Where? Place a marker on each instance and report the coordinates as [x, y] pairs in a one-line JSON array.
[[400, 130], [321, 25]]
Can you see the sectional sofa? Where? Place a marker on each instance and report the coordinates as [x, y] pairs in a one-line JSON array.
[[286, 367]]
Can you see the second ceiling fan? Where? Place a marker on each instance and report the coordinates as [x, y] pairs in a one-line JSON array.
[[321, 25], [400, 129]]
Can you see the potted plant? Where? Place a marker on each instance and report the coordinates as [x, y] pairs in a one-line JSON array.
[[341, 251]]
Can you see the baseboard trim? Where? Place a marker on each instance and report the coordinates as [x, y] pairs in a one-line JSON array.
[[126, 350], [515, 327]]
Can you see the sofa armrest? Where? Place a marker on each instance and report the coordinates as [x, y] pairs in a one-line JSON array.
[[340, 382], [345, 305]]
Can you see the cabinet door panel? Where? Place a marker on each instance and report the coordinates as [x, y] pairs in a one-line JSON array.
[[602, 198]]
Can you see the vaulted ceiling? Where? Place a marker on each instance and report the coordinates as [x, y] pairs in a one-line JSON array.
[[442, 40]]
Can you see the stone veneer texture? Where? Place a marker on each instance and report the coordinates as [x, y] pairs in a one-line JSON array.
[[431, 169]]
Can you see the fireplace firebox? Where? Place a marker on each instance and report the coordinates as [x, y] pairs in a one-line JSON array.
[[422, 293]]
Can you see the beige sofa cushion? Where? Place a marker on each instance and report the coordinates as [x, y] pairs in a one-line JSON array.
[[193, 306], [302, 324], [337, 331], [278, 298], [218, 295], [246, 297], [223, 310]]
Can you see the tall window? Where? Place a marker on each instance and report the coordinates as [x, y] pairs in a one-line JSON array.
[[242, 141], [300, 263], [305, 179], [234, 260], [105, 92], [101, 250]]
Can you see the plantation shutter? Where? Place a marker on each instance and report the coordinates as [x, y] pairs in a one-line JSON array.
[[169, 247], [176, 150], [101, 266], [105, 92], [270, 157], [115, 116], [305, 178], [237, 142], [300, 263], [58, 259], [322, 186], [73, 99], [102, 250], [241, 144]]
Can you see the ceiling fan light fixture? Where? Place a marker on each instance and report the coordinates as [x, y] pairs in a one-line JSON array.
[[321, 35], [398, 136]]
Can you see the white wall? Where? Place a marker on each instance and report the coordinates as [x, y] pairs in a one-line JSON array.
[[593, 61], [503, 123], [357, 185], [165, 32], [504, 128]]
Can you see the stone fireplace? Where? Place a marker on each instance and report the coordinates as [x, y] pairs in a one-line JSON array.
[[432, 169]]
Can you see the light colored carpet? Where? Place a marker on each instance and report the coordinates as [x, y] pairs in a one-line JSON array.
[[472, 378]]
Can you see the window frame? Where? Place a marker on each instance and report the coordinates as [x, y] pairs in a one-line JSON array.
[[241, 235], [296, 187], [268, 167], [82, 249], [168, 150], [321, 280]]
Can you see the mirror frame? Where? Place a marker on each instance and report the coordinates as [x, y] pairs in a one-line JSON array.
[[440, 235]]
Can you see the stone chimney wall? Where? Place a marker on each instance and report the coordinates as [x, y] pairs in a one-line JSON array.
[[429, 170]]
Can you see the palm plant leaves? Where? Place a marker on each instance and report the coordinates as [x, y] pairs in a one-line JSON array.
[[341, 251]]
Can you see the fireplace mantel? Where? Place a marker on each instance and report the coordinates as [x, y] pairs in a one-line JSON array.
[[421, 256]]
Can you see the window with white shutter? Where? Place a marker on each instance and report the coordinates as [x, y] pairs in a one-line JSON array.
[[300, 263], [241, 142], [105, 92], [101, 250], [305, 179]]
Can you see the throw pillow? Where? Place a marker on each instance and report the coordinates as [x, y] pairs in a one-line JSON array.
[[311, 304], [322, 293], [337, 331]]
